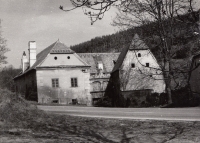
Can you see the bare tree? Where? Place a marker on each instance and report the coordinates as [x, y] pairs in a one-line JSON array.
[[136, 79], [95, 9], [3, 48], [165, 15]]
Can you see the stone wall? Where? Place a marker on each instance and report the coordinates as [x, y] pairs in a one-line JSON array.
[[136, 97]]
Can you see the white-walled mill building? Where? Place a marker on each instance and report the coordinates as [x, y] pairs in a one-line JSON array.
[[59, 75]]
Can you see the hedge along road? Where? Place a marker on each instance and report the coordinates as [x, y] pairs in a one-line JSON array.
[[174, 114]]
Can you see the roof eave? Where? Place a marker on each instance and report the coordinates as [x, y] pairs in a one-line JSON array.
[[62, 67], [23, 73]]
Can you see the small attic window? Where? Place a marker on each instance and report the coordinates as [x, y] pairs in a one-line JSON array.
[[114, 62], [68, 57], [84, 70], [100, 66], [55, 58], [147, 64], [132, 65], [139, 55]]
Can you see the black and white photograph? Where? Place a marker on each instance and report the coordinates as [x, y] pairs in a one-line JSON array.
[[99, 71]]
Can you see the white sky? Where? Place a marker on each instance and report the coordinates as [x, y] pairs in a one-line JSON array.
[[42, 21]]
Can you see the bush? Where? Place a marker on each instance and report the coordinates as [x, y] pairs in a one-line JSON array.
[[195, 100], [135, 102], [5, 96], [128, 102], [31, 94], [14, 112], [153, 99], [104, 102], [180, 97], [163, 98]]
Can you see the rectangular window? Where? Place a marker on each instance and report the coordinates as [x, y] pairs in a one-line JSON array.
[[147, 64], [74, 82], [55, 82]]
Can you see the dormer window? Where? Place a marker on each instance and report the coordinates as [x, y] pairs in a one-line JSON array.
[[139, 55], [147, 64]]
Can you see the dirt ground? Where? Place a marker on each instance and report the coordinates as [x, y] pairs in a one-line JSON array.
[[68, 129]]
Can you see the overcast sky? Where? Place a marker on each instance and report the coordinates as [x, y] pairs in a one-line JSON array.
[[43, 22]]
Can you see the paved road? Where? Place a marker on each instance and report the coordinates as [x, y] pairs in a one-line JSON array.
[[182, 114]]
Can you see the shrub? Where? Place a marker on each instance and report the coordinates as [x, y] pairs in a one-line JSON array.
[[195, 100], [153, 99], [163, 98], [104, 102], [14, 112], [5, 95], [128, 102], [33, 96], [180, 97]]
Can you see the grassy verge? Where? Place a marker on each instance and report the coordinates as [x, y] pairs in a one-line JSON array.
[[21, 123]]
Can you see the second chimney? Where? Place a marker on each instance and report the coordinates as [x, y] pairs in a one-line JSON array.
[[32, 53], [24, 62]]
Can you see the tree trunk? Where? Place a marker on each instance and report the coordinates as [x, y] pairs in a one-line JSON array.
[[167, 77], [169, 91]]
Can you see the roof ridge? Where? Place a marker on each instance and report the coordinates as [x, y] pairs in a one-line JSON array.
[[46, 48], [55, 44], [99, 53], [60, 47]]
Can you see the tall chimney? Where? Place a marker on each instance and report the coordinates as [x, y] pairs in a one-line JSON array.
[[24, 62], [32, 53]]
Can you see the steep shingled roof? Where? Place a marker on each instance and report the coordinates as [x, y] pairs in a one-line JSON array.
[[56, 47], [61, 48], [136, 44], [93, 58]]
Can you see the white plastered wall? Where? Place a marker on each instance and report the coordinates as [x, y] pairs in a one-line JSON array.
[[141, 77], [65, 91]]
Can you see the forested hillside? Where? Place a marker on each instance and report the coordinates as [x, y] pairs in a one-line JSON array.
[[185, 25]]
